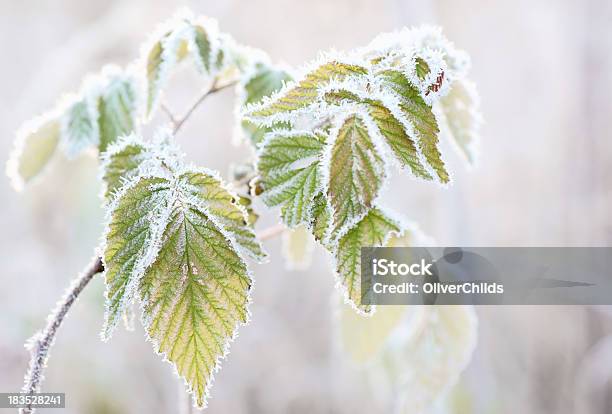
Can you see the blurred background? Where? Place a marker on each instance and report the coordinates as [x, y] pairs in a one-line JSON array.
[[544, 72]]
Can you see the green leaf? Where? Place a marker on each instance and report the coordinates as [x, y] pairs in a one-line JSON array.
[[264, 81], [373, 230], [80, 129], [121, 163], [462, 115], [35, 145], [397, 138], [321, 220], [420, 115], [130, 156], [165, 53], [203, 48], [195, 294], [117, 110], [306, 91], [154, 74], [356, 173], [225, 209], [130, 240], [390, 128], [256, 134], [179, 239], [422, 68], [289, 167]]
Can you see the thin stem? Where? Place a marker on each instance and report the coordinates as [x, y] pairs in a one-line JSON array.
[[178, 123], [169, 114], [42, 341]]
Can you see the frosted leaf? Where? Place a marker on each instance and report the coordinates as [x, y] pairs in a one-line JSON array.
[[121, 162], [178, 240], [297, 248], [117, 107], [224, 208], [374, 229], [130, 156], [131, 239], [390, 86], [80, 126], [186, 36], [191, 318], [289, 168], [422, 68], [321, 220], [259, 82], [304, 92], [103, 109], [204, 48], [356, 173], [35, 144], [463, 117], [421, 117], [262, 82], [398, 49], [165, 52], [393, 130], [364, 339]]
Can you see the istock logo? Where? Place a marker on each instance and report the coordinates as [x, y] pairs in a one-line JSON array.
[[384, 267]]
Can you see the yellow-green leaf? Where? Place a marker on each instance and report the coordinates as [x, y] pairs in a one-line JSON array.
[[130, 241], [178, 239], [154, 74], [391, 129], [35, 145], [117, 110], [80, 127], [356, 173], [264, 81], [225, 209], [289, 167], [121, 163], [420, 115], [373, 229], [306, 91], [204, 47], [195, 295], [321, 220]]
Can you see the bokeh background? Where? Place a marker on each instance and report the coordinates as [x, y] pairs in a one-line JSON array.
[[544, 72]]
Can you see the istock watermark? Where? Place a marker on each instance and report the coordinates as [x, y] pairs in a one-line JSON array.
[[486, 275]]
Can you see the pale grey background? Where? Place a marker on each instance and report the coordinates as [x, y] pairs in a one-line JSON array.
[[544, 70]]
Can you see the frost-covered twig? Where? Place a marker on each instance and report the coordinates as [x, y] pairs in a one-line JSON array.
[[42, 341], [213, 89]]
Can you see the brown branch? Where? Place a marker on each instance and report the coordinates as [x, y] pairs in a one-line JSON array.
[[42, 341], [169, 114], [178, 123]]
